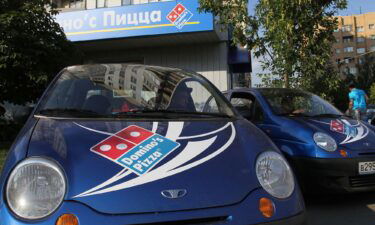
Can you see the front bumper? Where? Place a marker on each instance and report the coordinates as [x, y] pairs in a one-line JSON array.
[[290, 210], [339, 175], [299, 219]]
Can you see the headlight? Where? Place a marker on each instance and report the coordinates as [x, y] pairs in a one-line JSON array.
[[274, 174], [36, 188], [325, 141]]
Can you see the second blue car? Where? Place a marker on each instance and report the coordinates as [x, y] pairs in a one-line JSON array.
[[328, 150]]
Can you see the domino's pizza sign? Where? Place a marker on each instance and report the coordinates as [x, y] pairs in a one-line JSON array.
[[135, 148], [180, 16]]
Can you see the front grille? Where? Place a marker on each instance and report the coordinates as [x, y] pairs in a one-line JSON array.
[[201, 221], [362, 181]]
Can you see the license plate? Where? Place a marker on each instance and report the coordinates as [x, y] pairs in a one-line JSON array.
[[367, 167]]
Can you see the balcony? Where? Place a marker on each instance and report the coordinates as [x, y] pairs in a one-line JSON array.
[[79, 5]]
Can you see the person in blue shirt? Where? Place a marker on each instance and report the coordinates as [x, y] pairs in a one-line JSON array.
[[358, 102]]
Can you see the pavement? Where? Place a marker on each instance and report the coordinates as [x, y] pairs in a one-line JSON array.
[[352, 209]]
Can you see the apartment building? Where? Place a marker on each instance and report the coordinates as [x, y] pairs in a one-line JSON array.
[[355, 37], [155, 32]]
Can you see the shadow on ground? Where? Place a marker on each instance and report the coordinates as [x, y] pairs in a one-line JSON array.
[[353, 209]]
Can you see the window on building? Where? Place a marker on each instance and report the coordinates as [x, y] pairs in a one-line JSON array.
[[361, 50], [372, 37], [77, 4], [348, 49], [347, 28], [372, 49], [348, 60], [90, 4], [360, 39], [360, 61], [338, 50], [336, 30], [100, 3], [360, 29], [93, 4], [347, 39], [126, 2], [371, 26], [73, 4], [353, 70], [113, 3]]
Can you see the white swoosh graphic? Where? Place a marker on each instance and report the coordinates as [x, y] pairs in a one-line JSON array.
[[192, 150], [117, 177], [154, 127], [363, 131], [174, 130]]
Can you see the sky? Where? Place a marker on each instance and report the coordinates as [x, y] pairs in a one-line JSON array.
[[354, 7]]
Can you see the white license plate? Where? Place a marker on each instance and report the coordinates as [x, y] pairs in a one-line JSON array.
[[366, 167]]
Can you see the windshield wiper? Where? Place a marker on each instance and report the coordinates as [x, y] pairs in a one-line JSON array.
[[69, 112], [329, 115], [178, 113], [294, 114]]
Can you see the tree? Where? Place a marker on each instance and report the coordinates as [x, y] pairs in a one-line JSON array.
[[366, 72], [33, 48], [293, 36]]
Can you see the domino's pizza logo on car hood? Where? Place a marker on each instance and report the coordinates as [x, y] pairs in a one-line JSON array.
[[135, 148], [346, 131]]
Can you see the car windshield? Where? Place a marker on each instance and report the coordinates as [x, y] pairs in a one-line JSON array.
[[298, 103], [120, 90]]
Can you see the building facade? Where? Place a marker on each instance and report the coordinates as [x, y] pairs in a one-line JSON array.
[[355, 38], [155, 32]]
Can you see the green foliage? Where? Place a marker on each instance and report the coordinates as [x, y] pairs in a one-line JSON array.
[[366, 73], [33, 48], [293, 36], [372, 94]]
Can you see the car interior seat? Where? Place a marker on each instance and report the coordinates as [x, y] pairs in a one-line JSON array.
[[97, 103]]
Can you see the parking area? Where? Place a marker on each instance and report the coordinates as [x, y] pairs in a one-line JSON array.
[[341, 209]]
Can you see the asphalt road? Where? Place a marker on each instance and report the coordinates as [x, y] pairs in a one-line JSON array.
[[353, 209]]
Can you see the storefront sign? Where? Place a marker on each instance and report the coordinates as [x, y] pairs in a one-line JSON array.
[[135, 20]]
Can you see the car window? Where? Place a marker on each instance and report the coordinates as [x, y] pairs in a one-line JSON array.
[[244, 104], [258, 115], [108, 90], [285, 102]]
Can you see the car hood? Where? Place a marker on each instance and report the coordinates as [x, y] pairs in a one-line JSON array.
[[180, 165], [347, 132]]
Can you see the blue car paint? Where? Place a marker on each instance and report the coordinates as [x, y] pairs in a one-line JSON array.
[[223, 186], [294, 136]]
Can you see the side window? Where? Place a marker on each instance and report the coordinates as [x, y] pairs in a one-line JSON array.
[[243, 103], [200, 96], [211, 106], [247, 106]]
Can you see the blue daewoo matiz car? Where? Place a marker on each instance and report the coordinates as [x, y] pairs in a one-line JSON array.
[[118, 144], [327, 149]]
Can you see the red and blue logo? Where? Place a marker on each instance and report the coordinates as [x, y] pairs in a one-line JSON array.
[[135, 148], [179, 16], [340, 127]]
